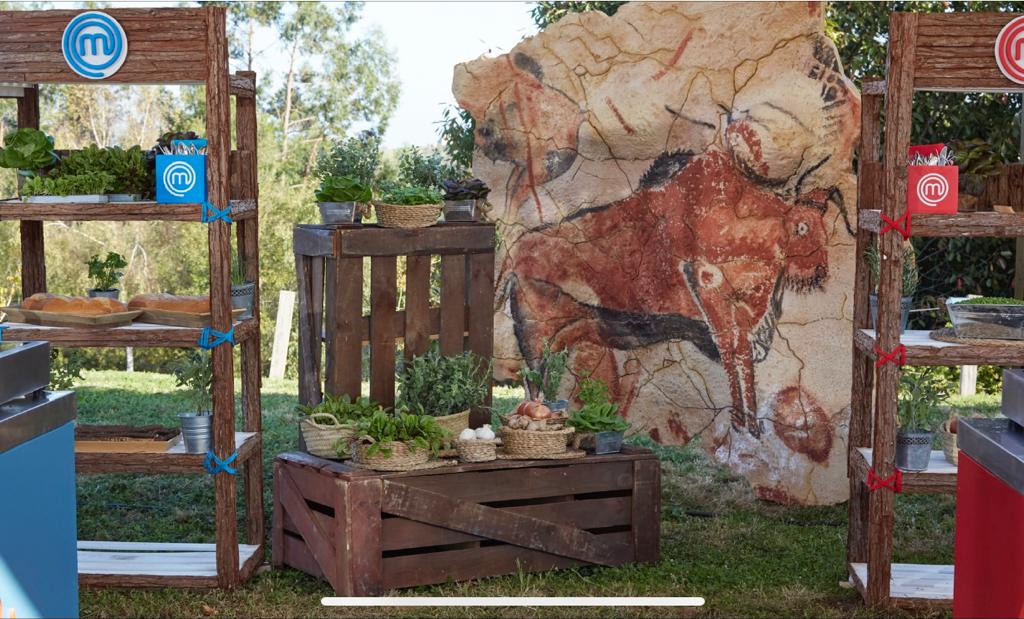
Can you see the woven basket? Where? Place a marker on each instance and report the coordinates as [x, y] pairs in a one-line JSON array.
[[322, 432], [454, 424], [401, 458], [534, 443], [477, 450], [407, 215], [948, 441]]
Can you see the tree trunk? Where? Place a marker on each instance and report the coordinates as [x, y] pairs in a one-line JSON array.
[[286, 119]]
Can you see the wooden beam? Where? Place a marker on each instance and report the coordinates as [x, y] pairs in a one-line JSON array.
[[33, 252]]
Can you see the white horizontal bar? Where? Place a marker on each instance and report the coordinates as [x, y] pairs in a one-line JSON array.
[[512, 601]]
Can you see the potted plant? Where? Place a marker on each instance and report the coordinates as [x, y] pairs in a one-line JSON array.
[[546, 380], [133, 180], [328, 427], [105, 274], [242, 290], [977, 161], [999, 318], [90, 188], [408, 207], [599, 428], [195, 374], [444, 387], [910, 281], [342, 199], [29, 151], [396, 442], [463, 199], [918, 412]]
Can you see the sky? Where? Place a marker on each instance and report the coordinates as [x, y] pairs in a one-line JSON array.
[[429, 39]]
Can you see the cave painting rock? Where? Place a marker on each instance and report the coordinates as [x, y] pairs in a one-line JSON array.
[[674, 191]]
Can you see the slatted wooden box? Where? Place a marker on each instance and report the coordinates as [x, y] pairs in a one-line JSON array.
[[367, 532]]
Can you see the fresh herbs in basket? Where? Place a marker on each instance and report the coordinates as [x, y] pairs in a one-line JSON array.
[[380, 431], [342, 408], [411, 196], [328, 427], [443, 385]]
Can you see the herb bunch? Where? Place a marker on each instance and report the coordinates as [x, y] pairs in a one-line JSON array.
[[598, 413], [195, 374], [416, 431], [343, 189], [410, 195], [92, 183], [911, 276], [344, 409], [442, 385]]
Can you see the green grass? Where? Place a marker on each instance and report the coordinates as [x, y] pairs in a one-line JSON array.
[[747, 558]]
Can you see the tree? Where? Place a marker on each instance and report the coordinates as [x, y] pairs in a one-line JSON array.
[[546, 13], [457, 130], [243, 19]]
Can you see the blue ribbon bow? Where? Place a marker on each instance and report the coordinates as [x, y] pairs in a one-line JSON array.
[[211, 338], [211, 213], [215, 465]]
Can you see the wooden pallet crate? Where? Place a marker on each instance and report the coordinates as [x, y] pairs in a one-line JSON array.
[[367, 532]]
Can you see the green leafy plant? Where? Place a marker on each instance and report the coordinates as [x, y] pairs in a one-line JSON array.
[[468, 189], [918, 399], [195, 374], [131, 174], [106, 273], [343, 189], [911, 275], [990, 301], [93, 183], [28, 149], [65, 368], [238, 277], [548, 378], [416, 431], [598, 413], [410, 195], [344, 409], [356, 157], [443, 385]]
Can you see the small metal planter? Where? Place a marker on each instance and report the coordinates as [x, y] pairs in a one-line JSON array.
[[124, 197], [196, 431], [905, 304], [114, 293], [913, 450], [84, 198], [462, 210], [333, 213], [599, 443], [241, 298]]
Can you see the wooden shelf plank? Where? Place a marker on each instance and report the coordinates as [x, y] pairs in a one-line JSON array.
[[979, 224], [939, 478], [143, 564], [923, 350], [173, 461], [912, 585], [116, 211], [137, 334]]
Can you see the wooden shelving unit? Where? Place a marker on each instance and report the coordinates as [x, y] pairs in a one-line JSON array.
[[153, 58], [927, 51]]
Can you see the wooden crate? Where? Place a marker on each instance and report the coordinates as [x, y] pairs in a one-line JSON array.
[[367, 532], [329, 265]]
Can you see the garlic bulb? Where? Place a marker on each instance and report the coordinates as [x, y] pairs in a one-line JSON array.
[[467, 435], [485, 433]]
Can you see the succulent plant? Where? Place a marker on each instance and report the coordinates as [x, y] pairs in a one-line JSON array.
[[467, 189]]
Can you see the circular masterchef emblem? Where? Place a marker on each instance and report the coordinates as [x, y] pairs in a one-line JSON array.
[[94, 45], [932, 189], [1010, 50]]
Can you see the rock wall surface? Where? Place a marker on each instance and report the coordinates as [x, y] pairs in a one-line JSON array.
[[674, 192]]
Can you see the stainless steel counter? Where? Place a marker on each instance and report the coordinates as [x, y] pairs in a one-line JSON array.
[[24, 419], [996, 444], [24, 368]]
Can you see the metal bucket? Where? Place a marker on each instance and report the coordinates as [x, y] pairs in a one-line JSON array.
[[905, 304], [241, 298], [340, 212], [913, 450], [109, 294], [461, 210], [196, 431]]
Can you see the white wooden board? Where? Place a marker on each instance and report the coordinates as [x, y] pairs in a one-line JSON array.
[[152, 559], [937, 463], [910, 581]]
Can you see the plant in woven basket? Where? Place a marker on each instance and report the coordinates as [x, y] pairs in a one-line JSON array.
[[415, 431], [467, 189], [443, 385], [344, 409], [911, 276], [411, 196], [598, 413], [547, 378]]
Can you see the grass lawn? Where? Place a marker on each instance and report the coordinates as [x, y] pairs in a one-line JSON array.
[[746, 557]]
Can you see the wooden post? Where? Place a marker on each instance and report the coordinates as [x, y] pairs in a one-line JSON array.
[[862, 386], [310, 343], [33, 255], [383, 300], [282, 334], [899, 99], [453, 304], [218, 133]]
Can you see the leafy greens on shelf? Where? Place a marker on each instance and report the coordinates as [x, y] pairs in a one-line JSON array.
[[28, 149]]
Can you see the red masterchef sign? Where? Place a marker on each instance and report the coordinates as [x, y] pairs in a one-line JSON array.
[[1010, 50]]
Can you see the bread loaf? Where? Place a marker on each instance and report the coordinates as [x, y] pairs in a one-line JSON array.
[[81, 306], [171, 303]]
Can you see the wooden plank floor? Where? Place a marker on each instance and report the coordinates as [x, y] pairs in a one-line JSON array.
[[913, 585], [152, 564]]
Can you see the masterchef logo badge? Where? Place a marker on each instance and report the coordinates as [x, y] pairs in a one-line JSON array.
[[1010, 50], [932, 189]]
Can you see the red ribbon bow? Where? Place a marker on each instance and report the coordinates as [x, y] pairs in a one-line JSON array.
[[897, 355], [900, 224], [893, 482]]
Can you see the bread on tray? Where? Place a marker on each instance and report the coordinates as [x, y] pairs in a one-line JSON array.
[[171, 303], [80, 306]]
